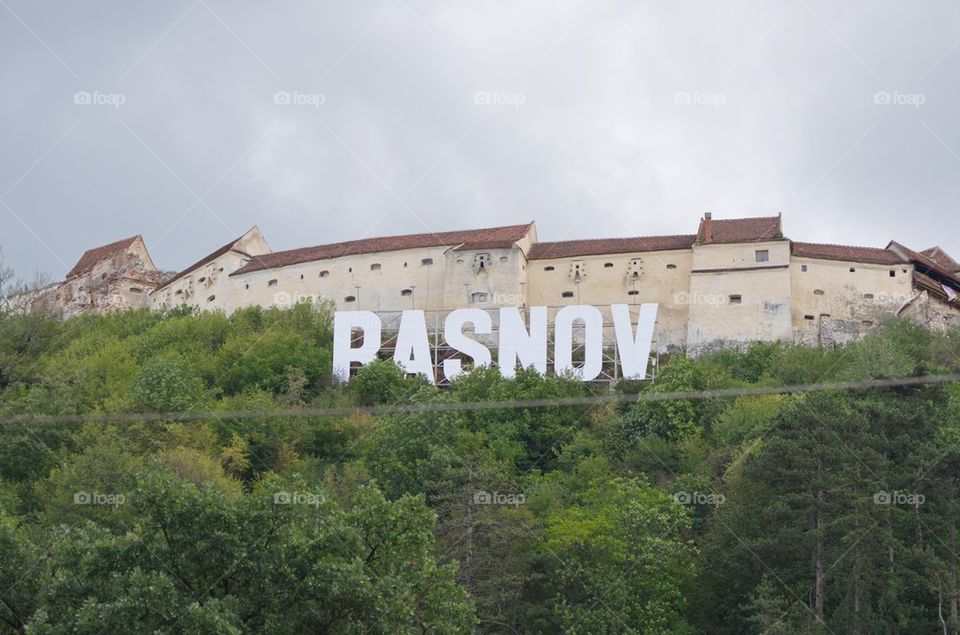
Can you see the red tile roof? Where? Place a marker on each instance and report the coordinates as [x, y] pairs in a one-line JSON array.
[[925, 262], [490, 238], [93, 256], [740, 230], [208, 258], [846, 253], [942, 258], [598, 246]]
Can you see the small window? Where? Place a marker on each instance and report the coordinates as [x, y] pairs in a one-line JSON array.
[[549, 268], [211, 298], [404, 265], [375, 266], [459, 261], [301, 276], [406, 291], [853, 269], [568, 294], [868, 296], [671, 266], [426, 262], [867, 323], [633, 292], [893, 273], [246, 286], [179, 291], [350, 298], [808, 317], [201, 279], [818, 292], [803, 267], [736, 299], [324, 274], [763, 255], [136, 290], [608, 265], [272, 283], [349, 269], [478, 297], [504, 259]]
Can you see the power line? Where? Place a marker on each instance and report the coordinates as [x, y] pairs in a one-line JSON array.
[[470, 406]]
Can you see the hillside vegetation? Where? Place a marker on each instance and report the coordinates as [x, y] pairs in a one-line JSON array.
[[829, 511]]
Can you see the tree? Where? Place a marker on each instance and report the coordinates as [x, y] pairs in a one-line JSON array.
[[281, 560]]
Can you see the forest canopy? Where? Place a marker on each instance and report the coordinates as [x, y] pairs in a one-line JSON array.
[[827, 511]]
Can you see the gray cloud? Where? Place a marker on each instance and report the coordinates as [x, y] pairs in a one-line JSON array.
[[782, 117]]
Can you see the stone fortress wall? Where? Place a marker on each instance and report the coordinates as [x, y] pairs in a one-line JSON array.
[[733, 282]]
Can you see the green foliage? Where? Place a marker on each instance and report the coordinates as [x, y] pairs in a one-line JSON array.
[[751, 514]]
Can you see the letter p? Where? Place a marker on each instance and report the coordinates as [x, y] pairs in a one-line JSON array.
[[344, 325]]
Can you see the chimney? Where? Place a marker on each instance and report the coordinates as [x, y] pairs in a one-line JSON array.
[[707, 227]]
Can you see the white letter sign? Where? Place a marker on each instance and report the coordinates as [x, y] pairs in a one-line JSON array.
[[344, 322]]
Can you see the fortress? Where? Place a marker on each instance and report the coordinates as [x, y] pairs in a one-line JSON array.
[[732, 282]]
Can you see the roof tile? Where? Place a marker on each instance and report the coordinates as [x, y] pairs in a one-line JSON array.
[[490, 238], [846, 253], [599, 246], [91, 257]]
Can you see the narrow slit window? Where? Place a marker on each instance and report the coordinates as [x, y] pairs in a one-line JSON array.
[[350, 298], [568, 294], [272, 283], [426, 262], [736, 299]]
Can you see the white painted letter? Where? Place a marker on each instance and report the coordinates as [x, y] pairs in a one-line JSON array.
[[453, 333], [593, 341], [413, 348], [344, 322], [516, 343], [634, 350]]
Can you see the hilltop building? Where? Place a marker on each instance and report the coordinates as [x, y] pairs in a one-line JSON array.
[[732, 282]]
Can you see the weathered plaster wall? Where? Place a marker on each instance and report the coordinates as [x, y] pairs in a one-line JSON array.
[[836, 302]]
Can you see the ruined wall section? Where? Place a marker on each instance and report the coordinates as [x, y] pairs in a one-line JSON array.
[[836, 302]]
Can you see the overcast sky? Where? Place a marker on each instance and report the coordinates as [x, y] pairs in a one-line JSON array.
[[610, 118]]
